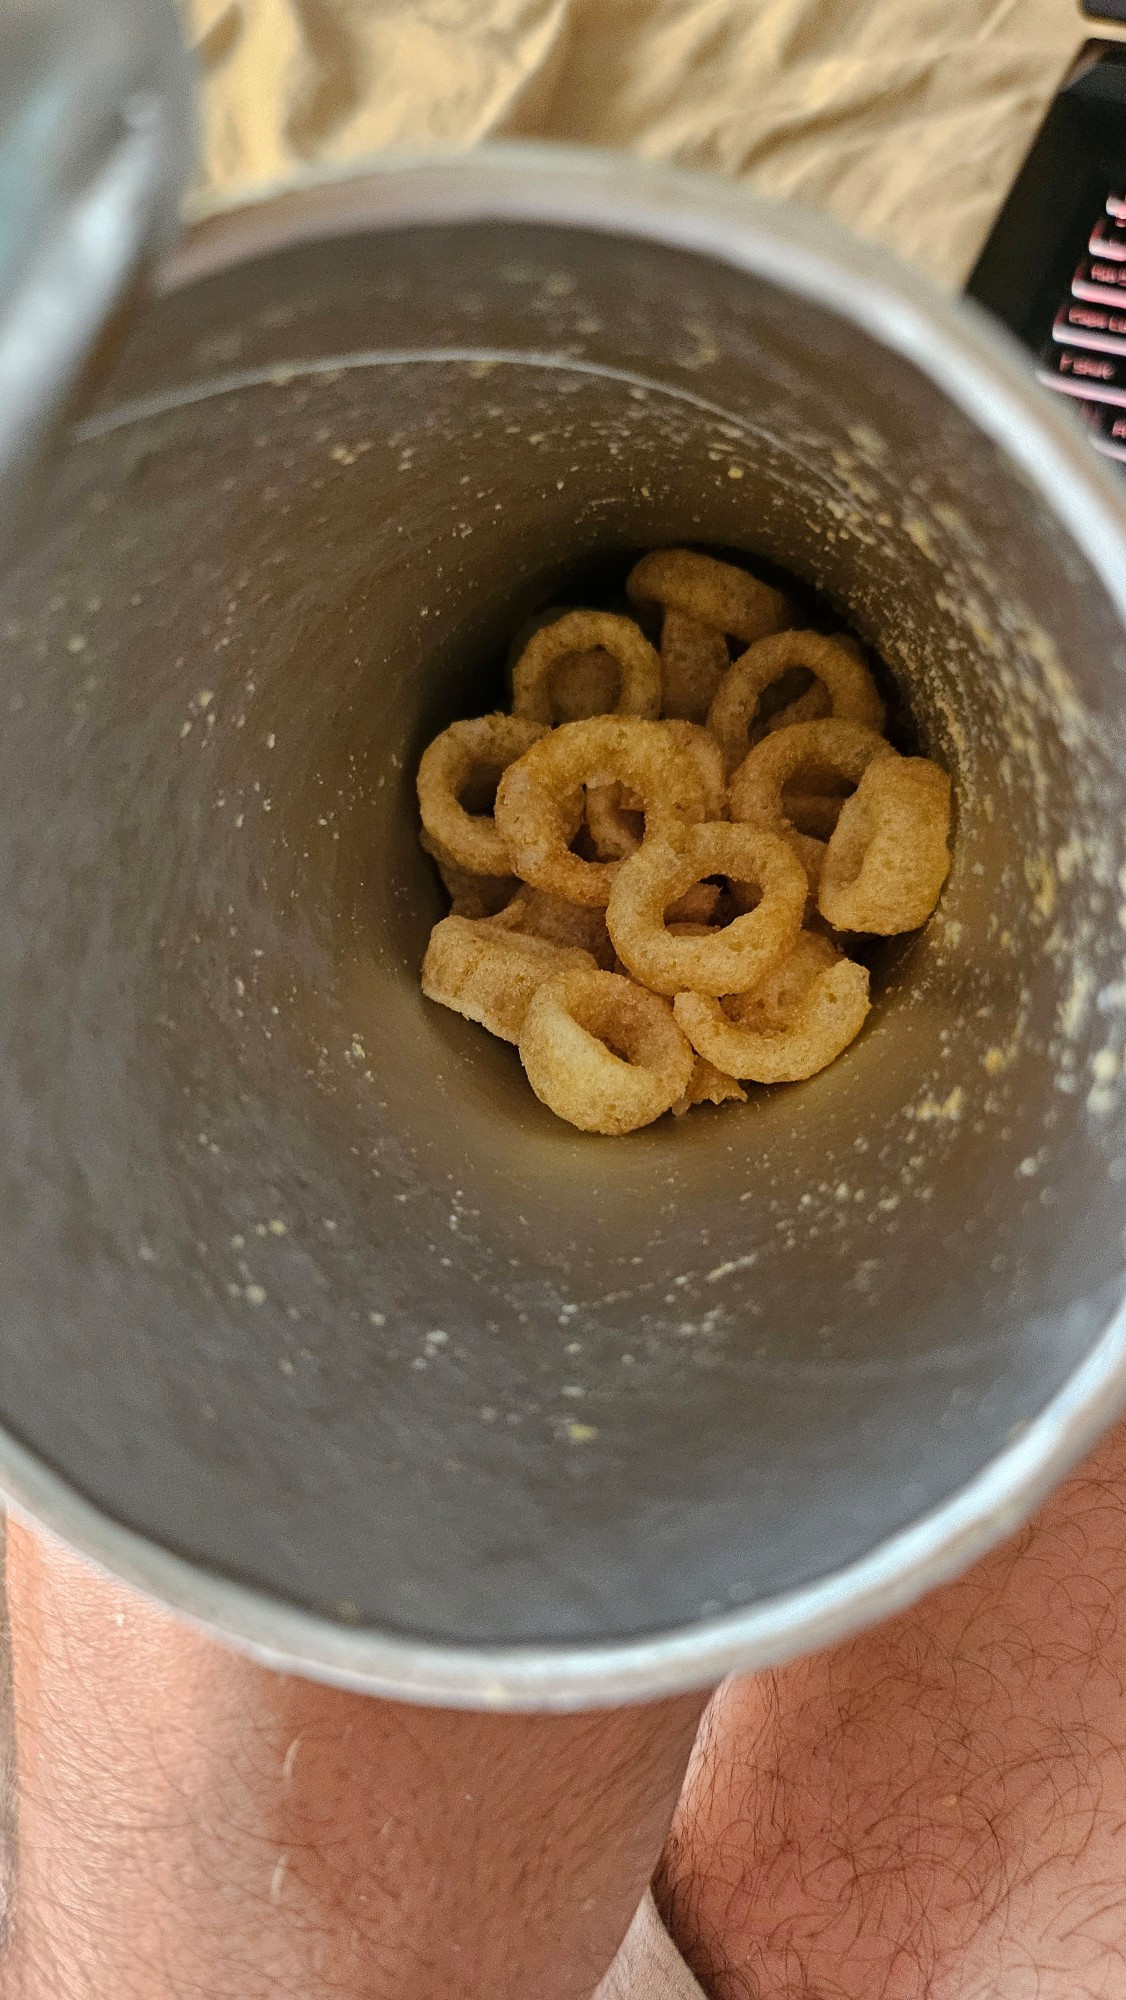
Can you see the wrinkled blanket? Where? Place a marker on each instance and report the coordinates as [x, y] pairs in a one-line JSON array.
[[906, 119]]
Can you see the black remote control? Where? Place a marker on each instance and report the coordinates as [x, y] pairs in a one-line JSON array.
[[1054, 267]]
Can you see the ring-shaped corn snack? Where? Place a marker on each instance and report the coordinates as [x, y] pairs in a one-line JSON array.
[[639, 665], [726, 961], [470, 895], [584, 684], [815, 1004], [714, 593], [536, 797], [696, 906], [615, 820], [533, 913], [602, 1052], [813, 813], [776, 1000], [490, 975], [889, 854], [699, 744], [478, 749], [815, 703], [707, 1085], [850, 688], [828, 751], [694, 660]]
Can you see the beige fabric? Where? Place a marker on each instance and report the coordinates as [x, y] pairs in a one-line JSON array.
[[905, 118], [648, 1966]]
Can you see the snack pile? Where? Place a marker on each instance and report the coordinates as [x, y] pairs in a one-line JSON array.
[[658, 862]]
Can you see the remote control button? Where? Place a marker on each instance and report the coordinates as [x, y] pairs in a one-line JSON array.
[[1106, 428], [1101, 282], [1116, 207], [1081, 324], [1108, 240], [1095, 378]]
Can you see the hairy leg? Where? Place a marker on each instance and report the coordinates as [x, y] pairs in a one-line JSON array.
[[938, 1808], [195, 1827]]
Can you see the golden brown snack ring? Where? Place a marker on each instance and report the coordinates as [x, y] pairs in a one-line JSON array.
[[827, 751], [481, 747], [889, 854], [490, 975], [715, 593], [775, 1002], [615, 820], [819, 1006], [693, 662], [813, 813], [851, 690], [726, 961], [537, 796], [613, 811], [572, 1031], [470, 895], [696, 906], [584, 684], [815, 703], [533, 913], [708, 1085], [639, 689], [701, 746]]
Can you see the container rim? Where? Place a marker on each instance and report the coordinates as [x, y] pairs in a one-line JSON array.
[[987, 376]]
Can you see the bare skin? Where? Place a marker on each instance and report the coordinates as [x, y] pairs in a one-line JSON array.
[[195, 1827], [936, 1811]]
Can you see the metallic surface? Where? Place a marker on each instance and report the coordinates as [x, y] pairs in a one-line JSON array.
[[314, 1322], [95, 141]]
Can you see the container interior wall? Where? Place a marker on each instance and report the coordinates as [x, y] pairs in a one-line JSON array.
[[299, 1276]]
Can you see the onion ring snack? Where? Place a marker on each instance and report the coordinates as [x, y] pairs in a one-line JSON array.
[[533, 913], [569, 1046], [726, 961], [714, 593], [638, 663], [818, 1005], [538, 793], [843, 676], [694, 660], [490, 975], [480, 748], [889, 854], [831, 749]]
